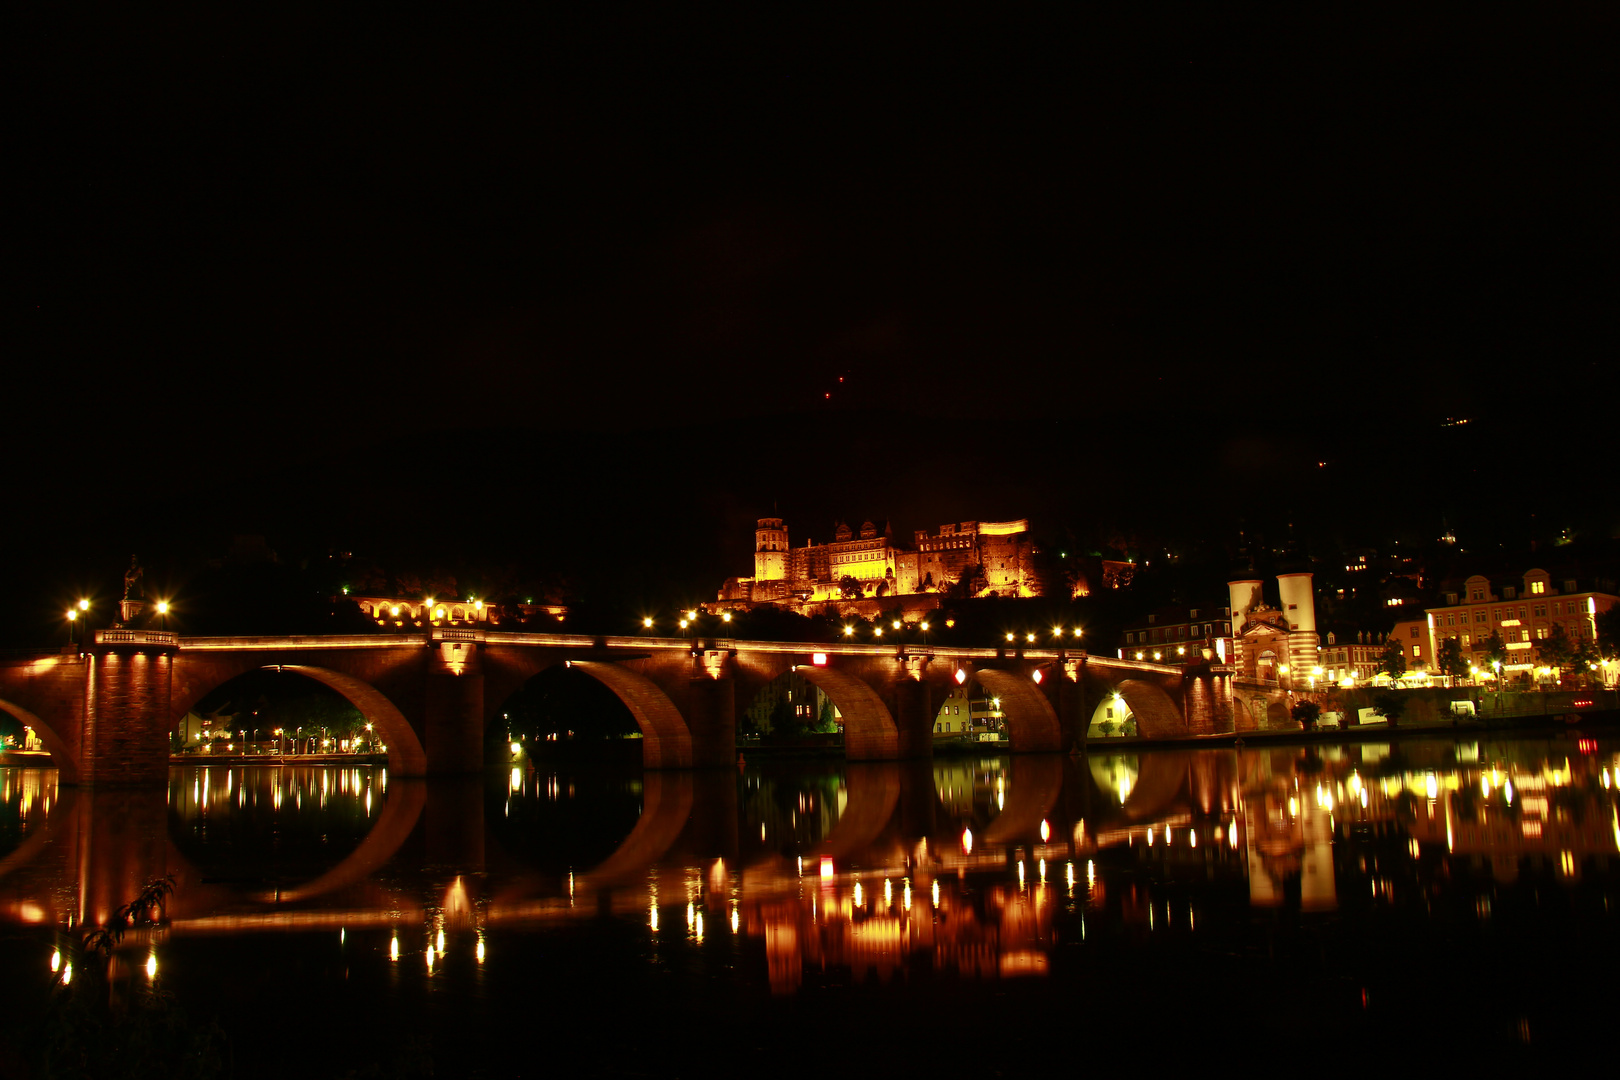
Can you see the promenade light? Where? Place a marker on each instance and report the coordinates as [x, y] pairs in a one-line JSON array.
[[849, 631], [726, 617], [1057, 631], [1010, 637], [72, 613], [877, 631], [897, 624], [925, 627], [692, 615], [1030, 638], [517, 749], [647, 622], [1077, 631], [163, 607], [683, 624], [84, 605]]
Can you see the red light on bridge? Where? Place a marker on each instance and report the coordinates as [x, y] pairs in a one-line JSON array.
[[1581, 703], [818, 659]]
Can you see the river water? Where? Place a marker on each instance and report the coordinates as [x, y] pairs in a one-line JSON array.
[[1325, 907]]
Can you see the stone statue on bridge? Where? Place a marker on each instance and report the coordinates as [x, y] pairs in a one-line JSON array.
[[134, 592], [134, 588]]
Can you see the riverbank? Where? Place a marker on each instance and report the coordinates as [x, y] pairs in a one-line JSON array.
[[278, 760]]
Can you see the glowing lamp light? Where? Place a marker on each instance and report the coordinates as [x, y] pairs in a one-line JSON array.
[[1037, 676], [818, 659], [726, 617], [1057, 631], [849, 631], [647, 622], [1046, 831], [877, 631], [961, 676], [967, 841], [72, 613], [517, 748], [925, 627], [1010, 637], [151, 965], [163, 607], [84, 605], [1029, 637], [897, 624]]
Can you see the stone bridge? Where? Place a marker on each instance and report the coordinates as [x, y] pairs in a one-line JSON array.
[[105, 714]]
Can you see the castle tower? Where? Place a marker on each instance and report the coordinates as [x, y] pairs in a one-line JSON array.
[[770, 550], [1299, 607], [1244, 597]]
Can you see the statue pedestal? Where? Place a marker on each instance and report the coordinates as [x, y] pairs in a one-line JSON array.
[[129, 609]]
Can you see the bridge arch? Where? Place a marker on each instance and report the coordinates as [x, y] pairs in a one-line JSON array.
[[406, 756], [1032, 723], [1157, 714], [666, 740], [869, 729], [62, 755]]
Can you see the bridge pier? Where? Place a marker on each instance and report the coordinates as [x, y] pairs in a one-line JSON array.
[[453, 710], [128, 688], [913, 720], [711, 716]]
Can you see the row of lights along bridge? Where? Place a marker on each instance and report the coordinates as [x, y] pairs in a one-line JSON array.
[[688, 622]]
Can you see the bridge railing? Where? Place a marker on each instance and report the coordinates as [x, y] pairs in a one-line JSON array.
[[136, 637]]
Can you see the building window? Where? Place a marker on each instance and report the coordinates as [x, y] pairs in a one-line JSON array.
[[1466, 639], [1417, 651], [1540, 610], [1538, 587], [1569, 585], [1479, 616], [1451, 598], [1414, 631], [1451, 620], [1541, 633]]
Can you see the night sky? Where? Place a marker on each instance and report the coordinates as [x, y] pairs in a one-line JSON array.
[[587, 289]]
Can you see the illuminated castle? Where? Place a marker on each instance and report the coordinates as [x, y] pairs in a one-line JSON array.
[[996, 556]]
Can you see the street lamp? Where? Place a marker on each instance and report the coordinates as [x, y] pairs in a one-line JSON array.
[[163, 614]]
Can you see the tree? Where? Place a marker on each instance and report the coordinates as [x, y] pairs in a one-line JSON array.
[[1307, 713], [1585, 661], [1608, 633], [1393, 661], [849, 587], [1390, 706], [1451, 659], [1496, 654], [1556, 650], [826, 723]]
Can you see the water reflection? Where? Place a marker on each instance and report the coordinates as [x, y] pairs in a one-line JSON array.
[[983, 869]]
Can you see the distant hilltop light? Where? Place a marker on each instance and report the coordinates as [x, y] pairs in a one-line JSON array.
[[1454, 421]]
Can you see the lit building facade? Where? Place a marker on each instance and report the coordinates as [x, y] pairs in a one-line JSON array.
[[881, 568], [1181, 635], [397, 611], [1523, 613]]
